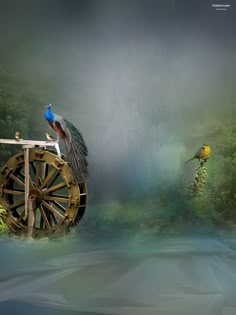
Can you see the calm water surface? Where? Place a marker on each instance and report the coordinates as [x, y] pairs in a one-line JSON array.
[[138, 275]]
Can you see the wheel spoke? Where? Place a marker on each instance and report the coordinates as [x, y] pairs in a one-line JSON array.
[[53, 218], [31, 183], [37, 175], [44, 170], [56, 187], [13, 192], [22, 175], [17, 180], [45, 219], [54, 179], [63, 209], [36, 170], [50, 208], [57, 198], [60, 196], [33, 167], [46, 179], [20, 217], [17, 204]]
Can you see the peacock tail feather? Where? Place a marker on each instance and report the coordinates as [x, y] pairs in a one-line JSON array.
[[76, 148], [77, 152]]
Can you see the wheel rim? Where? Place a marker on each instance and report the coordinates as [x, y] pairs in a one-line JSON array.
[[60, 201]]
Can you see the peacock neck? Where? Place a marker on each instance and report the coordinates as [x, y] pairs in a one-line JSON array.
[[49, 116]]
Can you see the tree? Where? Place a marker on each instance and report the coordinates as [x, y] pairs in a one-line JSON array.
[[18, 113], [221, 193]]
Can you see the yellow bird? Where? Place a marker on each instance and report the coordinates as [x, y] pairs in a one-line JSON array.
[[202, 154]]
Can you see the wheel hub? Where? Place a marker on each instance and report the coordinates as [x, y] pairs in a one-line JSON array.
[[37, 194]]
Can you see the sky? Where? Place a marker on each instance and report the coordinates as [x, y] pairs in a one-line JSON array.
[[142, 80]]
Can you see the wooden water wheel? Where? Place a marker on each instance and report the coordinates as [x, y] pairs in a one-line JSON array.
[[58, 201]]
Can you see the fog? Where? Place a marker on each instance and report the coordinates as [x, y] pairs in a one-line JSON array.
[[139, 79], [125, 275], [146, 82]]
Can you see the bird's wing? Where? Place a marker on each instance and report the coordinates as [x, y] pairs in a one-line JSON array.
[[76, 148], [197, 154]]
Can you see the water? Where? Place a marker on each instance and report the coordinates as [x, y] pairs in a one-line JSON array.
[[138, 275]]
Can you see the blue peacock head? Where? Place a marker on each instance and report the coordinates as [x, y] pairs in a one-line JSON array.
[[49, 114]]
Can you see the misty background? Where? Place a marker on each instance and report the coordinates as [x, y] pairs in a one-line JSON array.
[[144, 81], [147, 83]]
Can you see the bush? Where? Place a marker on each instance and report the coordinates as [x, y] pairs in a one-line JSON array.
[[3, 226]]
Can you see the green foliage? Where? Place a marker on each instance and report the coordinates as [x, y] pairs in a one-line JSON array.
[[18, 113], [152, 213], [3, 226], [212, 190], [130, 214], [221, 192], [11, 121], [215, 198]]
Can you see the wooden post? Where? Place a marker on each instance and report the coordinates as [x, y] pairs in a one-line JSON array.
[[31, 215], [58, 149], [26, 169]]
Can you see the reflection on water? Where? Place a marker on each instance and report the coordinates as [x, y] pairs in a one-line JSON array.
[[124, 275]]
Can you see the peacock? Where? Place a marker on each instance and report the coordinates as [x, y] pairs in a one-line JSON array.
[[76, 148]]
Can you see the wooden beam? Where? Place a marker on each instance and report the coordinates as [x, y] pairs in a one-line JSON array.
[[30, 142], [33, 143]]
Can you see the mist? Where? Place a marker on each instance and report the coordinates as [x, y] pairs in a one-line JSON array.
[[134, 275], [147, 83], [139, 80]]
